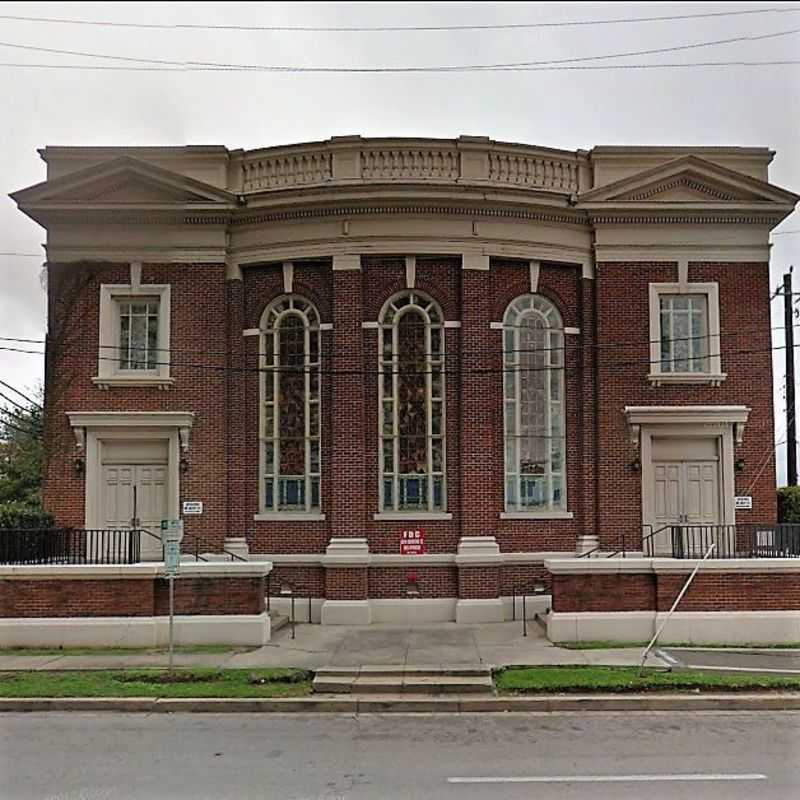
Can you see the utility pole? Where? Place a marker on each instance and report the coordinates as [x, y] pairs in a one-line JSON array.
[[791, 425]]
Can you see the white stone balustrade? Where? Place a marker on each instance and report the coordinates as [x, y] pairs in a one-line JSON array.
[[466, 160]]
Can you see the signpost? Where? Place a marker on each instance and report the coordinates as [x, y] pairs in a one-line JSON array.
[[171, 537], [412, 542]]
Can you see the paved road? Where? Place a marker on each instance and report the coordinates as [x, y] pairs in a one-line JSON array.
[[331, 757]]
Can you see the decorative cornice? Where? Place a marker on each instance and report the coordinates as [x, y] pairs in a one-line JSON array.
[[698, 186], [82, 215], [687, 218], [251, 217]]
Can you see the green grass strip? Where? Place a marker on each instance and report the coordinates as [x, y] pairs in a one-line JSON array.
[[609, 645], [196, 682], [544, 680], [119, 651]]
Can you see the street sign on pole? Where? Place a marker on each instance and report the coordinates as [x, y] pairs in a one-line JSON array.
[[171, 536]]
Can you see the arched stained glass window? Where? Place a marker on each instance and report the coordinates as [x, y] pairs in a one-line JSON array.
[[533, 400], [411, 397], [290, 396]]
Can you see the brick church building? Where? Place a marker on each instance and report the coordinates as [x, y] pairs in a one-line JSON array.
[[408, 371]]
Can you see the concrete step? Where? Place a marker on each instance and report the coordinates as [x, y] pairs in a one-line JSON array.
[[277, 621], [406, 681], [373, 670]]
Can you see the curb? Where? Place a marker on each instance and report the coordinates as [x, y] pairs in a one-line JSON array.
[[405, 705]]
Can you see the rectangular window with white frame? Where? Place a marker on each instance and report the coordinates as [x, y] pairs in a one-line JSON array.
[[138, 333], [685, 334], [134, 336]]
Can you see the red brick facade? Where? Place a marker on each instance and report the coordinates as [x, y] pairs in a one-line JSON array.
[[716, 590], [348, 223], [608, 359], [130, 597]]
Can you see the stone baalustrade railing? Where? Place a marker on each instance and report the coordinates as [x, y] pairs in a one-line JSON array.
[[353, 160]]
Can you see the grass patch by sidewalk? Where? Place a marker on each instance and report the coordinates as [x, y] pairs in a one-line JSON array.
[[580, 679], [120, 651], [198, 682], [608, 645]]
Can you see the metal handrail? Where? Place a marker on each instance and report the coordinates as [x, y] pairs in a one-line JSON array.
[[524, 595], [69, 546], [294, 593], [653, 533]]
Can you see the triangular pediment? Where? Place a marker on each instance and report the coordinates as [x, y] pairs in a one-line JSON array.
[[120, 182], [689, 180]]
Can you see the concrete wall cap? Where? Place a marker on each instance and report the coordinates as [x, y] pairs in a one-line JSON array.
[[598, 566], [199, 569]]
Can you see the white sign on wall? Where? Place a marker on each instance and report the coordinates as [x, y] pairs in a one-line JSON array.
[[743, 503], [192, 507]]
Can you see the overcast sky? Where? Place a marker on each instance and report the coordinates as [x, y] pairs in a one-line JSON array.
[[748, 106]]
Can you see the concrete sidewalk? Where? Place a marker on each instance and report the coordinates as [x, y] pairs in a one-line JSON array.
[[314, 646]]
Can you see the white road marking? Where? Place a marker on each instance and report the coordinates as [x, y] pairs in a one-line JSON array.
[[613, 778]]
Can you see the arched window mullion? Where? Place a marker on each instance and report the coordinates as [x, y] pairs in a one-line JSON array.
[[532, 325], [418, 454], [288, 442]]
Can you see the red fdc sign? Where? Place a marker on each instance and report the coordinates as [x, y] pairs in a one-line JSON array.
[[412, 543]]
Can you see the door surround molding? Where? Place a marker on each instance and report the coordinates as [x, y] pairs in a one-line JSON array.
[[93, 428], [723, 423]]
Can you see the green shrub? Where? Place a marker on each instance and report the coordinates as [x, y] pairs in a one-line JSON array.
[[789, 504], [22, 515]]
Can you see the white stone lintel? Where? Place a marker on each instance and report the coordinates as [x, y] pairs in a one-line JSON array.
[[346, 261], [475, 261]]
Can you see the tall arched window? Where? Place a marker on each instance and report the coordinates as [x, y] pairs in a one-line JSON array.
[[290, 417], [533, 400], [411, 396]]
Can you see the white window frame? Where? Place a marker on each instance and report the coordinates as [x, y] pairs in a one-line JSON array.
[[714, 375], [266, 513], [420, 303], [537, 304], [109, 373]]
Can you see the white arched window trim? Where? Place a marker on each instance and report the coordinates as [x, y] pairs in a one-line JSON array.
[[269, 409], [516, 484], [393, 311]]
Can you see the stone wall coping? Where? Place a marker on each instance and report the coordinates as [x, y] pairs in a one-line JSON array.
[[395, 559], [667, 565], [661, 566], [598, 566], [200, 569]]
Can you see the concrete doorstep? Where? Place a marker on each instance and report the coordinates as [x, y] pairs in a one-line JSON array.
[[403, 704]]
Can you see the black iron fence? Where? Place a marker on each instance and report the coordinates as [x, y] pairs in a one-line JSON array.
[[747, 540], [69, 546]]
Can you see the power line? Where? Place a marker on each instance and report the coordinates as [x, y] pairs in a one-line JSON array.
[[508, 66], [17, 391], [24, 255], [13, 402], [786, 233], [399, 28], [596, 347], [4, 423], [29, 425], [433, 370], [604, 67]]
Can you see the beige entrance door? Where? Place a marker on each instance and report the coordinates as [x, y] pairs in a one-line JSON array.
[[136, 494], [685, 493]]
